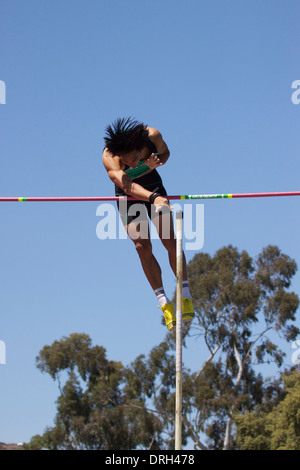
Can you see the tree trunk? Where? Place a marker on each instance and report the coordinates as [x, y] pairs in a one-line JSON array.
[[226, 443]]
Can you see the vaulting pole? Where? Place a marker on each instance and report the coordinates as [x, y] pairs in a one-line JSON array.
[[120, 198], [179, 267]]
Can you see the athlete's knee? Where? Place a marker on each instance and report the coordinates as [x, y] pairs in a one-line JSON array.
[[143, 247]]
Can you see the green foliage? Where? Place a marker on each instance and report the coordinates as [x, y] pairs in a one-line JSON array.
[[92, 409], [276, 429], [241, 305], [241, 302]]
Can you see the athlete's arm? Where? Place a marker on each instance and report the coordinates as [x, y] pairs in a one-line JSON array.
[[162, 148], [121, 179], [155, 161]]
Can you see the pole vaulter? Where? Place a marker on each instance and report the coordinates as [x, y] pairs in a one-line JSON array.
[[131, 156]]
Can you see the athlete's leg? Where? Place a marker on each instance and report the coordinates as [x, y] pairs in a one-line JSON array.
[[149, 263], [138, 232], [165, 230], [137, 228]]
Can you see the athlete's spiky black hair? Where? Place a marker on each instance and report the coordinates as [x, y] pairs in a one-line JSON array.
[[125, 135]]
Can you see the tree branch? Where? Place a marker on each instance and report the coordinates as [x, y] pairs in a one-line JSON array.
[[194, 435], [208, 360], [253, 343], [241, 365], [143, 408]]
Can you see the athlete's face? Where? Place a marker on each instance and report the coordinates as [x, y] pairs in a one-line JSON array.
[[131, 159]]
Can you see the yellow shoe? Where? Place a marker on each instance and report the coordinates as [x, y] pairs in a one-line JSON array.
[[187, 309], [169, 315]]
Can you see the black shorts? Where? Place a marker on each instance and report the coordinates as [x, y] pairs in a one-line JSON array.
[[151, 182]]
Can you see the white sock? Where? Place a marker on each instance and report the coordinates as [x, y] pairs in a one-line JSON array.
[[161, 296], [185, 290]]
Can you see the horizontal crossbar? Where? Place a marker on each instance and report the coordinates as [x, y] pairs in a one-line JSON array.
[[120, 198]]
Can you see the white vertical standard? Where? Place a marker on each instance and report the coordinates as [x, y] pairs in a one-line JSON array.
[[178, 400]]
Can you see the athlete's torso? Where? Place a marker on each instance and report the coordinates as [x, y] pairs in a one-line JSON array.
[[141, 169]]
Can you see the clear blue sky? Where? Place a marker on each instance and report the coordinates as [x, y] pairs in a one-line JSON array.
[[215, 78]]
